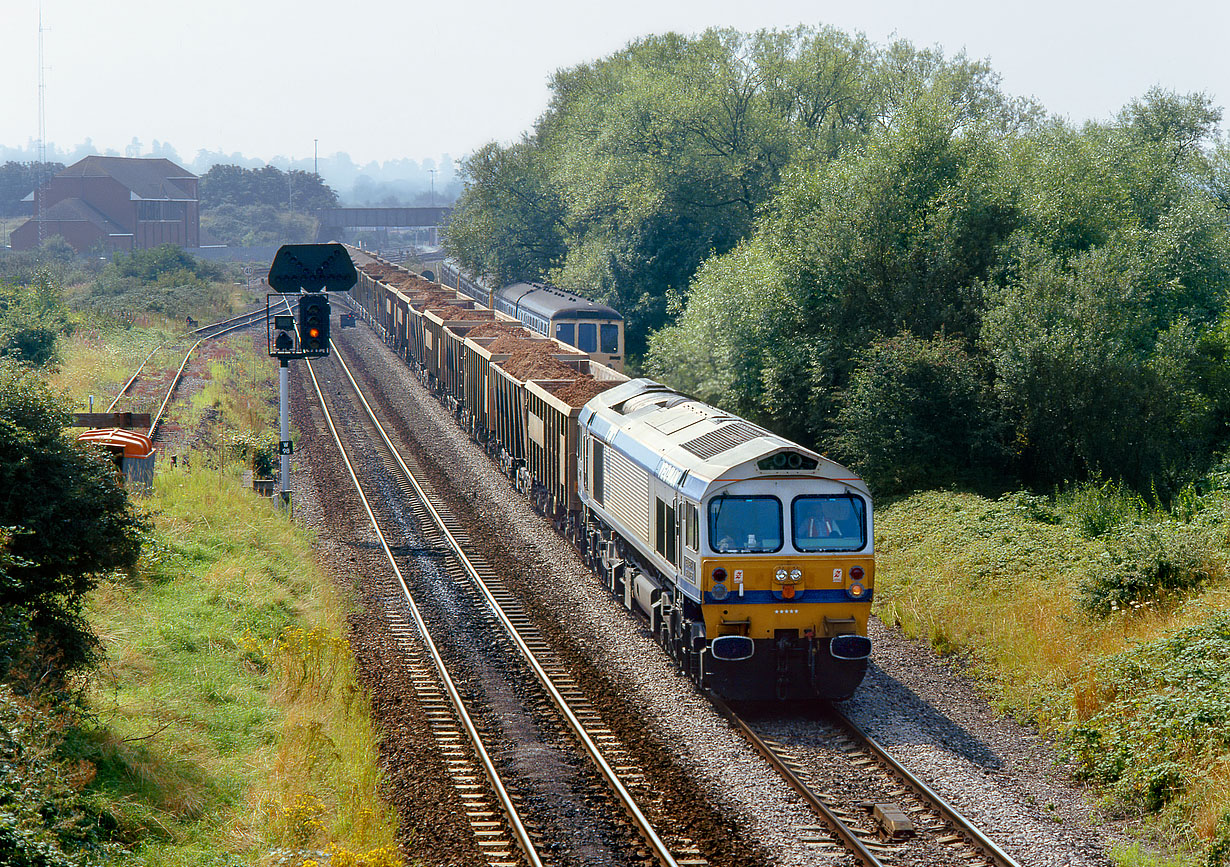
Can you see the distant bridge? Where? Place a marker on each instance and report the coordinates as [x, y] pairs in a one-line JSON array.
[[382, 218]]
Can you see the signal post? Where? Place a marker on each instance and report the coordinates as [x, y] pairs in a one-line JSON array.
[[307, 273]]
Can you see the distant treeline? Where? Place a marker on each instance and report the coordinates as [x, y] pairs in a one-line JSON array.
[[876, 251], [18, 180], [254, 207]]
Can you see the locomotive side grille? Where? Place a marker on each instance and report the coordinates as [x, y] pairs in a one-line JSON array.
[[723, 439], [627, 493]]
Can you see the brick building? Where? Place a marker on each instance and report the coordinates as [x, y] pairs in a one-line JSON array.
[[116, 203]]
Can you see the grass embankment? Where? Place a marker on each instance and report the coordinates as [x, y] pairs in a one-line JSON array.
[[231, 721], [228, 723], [1104, 619]]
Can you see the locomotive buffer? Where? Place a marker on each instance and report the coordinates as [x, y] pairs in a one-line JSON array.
[[306, 273]]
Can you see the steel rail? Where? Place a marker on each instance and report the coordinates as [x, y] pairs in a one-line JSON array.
[[179, 373], [949, 813], [660, 850], [519, 831], [133, 378], [848, 838], [250, 313]]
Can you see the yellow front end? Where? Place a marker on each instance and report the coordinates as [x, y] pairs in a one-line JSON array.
[[816, 595]]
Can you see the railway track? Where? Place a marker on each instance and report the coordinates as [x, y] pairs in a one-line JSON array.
[[206, 332], [885, 815], [556, 784]]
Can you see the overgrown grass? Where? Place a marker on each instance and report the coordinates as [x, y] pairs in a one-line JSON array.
[[1101, 616], [102, 355], [231, 722], [227, 724]]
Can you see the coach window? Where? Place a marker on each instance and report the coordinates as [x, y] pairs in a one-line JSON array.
[[566, 332], [609, 342], [587, 337]]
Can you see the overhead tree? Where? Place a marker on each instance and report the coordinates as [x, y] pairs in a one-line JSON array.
[[67, 522]]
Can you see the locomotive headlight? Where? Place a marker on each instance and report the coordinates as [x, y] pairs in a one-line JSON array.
[[796, 575], [781, 576], [719, 592], [856, 591]]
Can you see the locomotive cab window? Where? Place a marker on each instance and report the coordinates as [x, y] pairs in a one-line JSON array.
[[835, 522], [745, 525], [566, 332], [587, 337], [691, 527], [609, 338]]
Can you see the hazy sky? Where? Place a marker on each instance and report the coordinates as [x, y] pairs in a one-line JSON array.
[[383, 80]]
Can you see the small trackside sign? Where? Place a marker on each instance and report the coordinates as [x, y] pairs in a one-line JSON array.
[[286, 447]]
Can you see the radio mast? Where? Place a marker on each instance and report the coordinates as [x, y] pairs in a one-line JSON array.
[[41, 171]]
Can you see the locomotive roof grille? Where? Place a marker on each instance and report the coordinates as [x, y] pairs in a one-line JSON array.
[[723, 439]]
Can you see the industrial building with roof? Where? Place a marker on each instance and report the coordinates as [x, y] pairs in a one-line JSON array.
[[115, 203]]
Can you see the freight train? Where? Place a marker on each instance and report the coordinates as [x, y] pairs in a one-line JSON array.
[[595, 329], [750, 557]]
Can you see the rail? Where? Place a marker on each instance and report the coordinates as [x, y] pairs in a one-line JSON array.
[[974, 838], [506, 803], [659, 849]]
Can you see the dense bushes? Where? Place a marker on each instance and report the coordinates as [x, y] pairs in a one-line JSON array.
[[45, 820], [1148, 564], [918, 414], [32, 319], [1162, 705], [165, 280]]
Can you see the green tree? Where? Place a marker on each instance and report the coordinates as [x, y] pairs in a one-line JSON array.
[[70, 522], [18, 180], [508, 226], [889, 238], [919, 413], [32, 318], [294, 190]]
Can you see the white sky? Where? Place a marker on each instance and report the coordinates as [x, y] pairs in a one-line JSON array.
[[382, 79]]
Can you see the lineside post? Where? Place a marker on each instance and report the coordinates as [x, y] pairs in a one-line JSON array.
[[284, 422]]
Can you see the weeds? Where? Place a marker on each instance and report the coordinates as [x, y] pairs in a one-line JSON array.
[[1099, 507], [1101, 616], [1154, 564]]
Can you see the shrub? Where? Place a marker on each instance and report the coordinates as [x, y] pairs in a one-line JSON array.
[[257, 450], [917, 413], [1163, 711], [1098, 507], [72, 522], [44, 820], [1150, 564]]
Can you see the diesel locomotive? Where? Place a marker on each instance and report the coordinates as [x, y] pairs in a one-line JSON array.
[[750, 557]]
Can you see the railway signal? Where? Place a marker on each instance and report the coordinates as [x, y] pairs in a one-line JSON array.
[[313, 326], [305, 272]]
